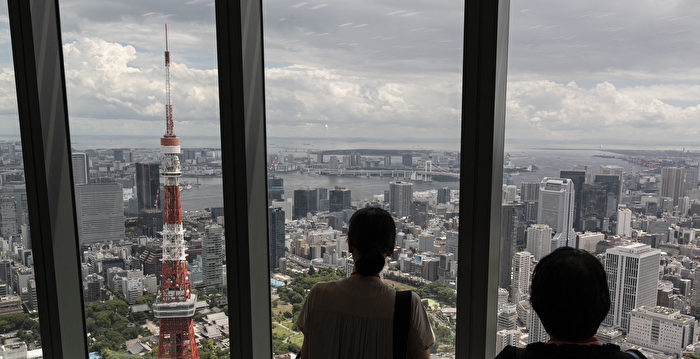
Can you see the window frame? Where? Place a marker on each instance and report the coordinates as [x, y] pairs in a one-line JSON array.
[[43, 116]]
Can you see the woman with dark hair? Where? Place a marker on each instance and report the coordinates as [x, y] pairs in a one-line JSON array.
[[569, 293], [354, 317]]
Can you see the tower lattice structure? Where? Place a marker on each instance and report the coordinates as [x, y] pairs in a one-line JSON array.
[[175, 304]]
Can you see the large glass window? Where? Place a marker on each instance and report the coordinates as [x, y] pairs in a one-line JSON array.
[[363, 109], [147, 172], [601, 153], [19, 319]]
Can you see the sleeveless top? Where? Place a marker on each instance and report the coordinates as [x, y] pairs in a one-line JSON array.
[[353, 318]]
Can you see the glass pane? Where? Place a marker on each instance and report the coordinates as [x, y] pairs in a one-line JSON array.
[[363, 109], [19, 317], [601, 154], [143, 107]]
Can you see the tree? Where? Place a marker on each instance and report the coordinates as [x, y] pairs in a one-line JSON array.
[[312, 271]]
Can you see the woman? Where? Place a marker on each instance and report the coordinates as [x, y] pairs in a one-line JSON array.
[[353, 317]]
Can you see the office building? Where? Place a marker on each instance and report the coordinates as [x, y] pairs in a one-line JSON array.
[[611, 184], [529, 191], [148, 186], [81, 172], [633, 274], [556, 207], [593, 207], [407, 160], [588, 170], [507, 317], [339, 199], [624, 223], [275, 222], [539, 240], [212, 257], [509, 193], [660, 328], [672, 182], [691, 177], [579, 179], [522, 266], [275, 189], [305, 201], [419, 212], [614, 170], [536, 329], [8, 217], [509, 227], [443, 195], [100, 211], [505, 338], [401, 197]]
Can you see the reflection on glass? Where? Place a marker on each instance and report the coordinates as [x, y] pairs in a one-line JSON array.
[[19, 317], [363, 109], [147, 173], [600, 156]]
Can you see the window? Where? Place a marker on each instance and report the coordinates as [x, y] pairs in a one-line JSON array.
[[19, 318], [363, 109], [600, 155], [148, 197]]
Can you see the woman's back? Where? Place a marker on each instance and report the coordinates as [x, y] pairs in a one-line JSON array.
[[353, 318]]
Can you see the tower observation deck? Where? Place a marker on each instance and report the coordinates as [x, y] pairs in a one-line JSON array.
[[175, 303]]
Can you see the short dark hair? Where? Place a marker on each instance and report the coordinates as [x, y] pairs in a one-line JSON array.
[[570, 293], [372, 232]]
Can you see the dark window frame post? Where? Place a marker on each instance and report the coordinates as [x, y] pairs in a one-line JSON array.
[[243, 149], [43, 116], [481, 173]]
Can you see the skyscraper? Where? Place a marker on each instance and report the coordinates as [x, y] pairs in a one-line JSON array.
[[275, 189], [611, 183], [522, 266], [614, 170], [8, 217], [633, 275], [305, 201], [407, 160], [529, 191], [100, 212], [80, 168], [419, 212], [509, 226], [339, 199], [691, 176], [401, 196], [212, 253], [624, 222], [443, 195], [275, 222], [148, 185], [672, 182], [536, 329], [579, 179], [539, 240], [587, 170], [556, 207], [593, 207]]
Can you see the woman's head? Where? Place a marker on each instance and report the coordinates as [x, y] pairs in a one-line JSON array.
[[570, 294], [371, 236]]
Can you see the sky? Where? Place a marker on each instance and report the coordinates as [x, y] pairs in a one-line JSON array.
[[593, 72]]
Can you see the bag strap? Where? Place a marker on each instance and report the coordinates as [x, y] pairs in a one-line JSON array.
[[402, 322]]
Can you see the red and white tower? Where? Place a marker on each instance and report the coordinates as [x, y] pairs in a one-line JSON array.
[[175, 304]]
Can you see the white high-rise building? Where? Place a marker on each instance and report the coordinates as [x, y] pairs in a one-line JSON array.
[[507, 317], [505, 338], [400, 198], [624, 222], [509, 193], [522, 266], [662, 329], [536, 329], [212, 253], [556, 207], [539, 240], [589, 241], [633, 276]]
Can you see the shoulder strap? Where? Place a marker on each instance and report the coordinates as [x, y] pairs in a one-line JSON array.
[[402, 321]]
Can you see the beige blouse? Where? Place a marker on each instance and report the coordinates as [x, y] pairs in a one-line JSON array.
[[353, 318]]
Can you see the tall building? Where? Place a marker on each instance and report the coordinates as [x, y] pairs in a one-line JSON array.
[[419, 212], [611, 184], [8, 217], [633, 275], [443, 195], [579, 179], [505, 338], [662, 329], [148, 185], [529, 191], [212, 255], [614, 170], [175, 303], [407, 160], [509, 227], [587, 169], [691, 177], [339, 199], [80, 168], [305, 201], [539, 240], [536, 329], [593, 207], [401, 196], [556, 207], [275, 189], [275, 222], [672, 182], [624, 222], [100, 212], [522, 266]]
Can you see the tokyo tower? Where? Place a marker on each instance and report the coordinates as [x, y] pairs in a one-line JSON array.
[[175, 304]]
